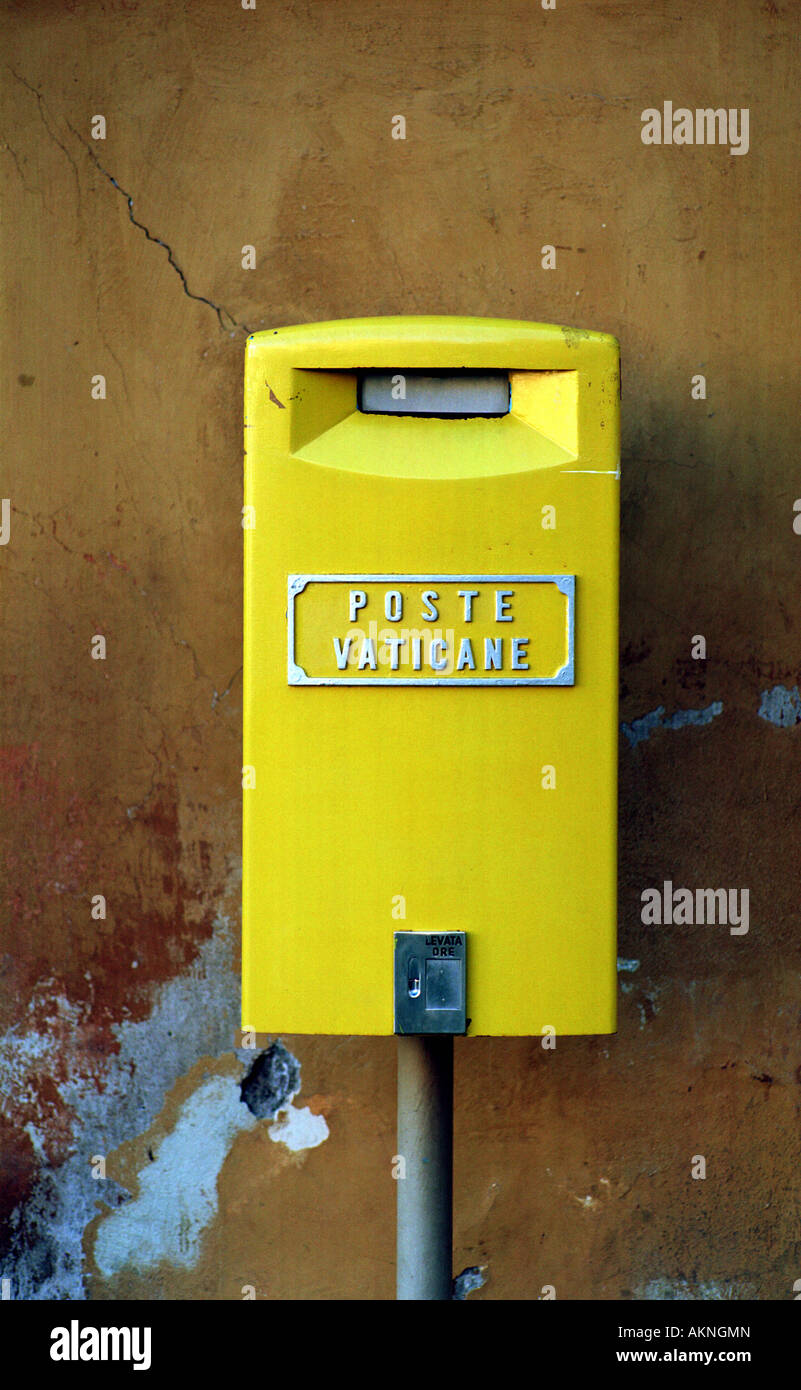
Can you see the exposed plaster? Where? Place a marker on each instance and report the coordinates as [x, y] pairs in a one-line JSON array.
[[681, 1290], [271, 1082], [781, 706], [641, 729], [177, 1196], [193, 1016], [468, 1281], [268, 1090]]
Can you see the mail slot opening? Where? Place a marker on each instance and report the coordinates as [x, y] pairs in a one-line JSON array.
[[447, 395]]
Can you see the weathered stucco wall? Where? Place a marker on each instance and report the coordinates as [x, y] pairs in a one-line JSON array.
[[122, 257]]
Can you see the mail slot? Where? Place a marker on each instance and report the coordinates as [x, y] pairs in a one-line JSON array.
[[430, 677]]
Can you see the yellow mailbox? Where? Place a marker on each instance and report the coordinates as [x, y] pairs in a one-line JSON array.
[[430, 678]]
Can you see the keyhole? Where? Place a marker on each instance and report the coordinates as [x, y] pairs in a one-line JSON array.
[[414, 978]]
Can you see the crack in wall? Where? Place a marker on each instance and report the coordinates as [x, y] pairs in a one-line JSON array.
[[28, 187], [41, 105], [221, 312], [220, 695]]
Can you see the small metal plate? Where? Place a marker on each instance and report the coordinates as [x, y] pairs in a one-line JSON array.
[[430, 982]]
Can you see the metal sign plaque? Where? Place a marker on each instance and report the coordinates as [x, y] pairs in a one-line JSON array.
[[441, 629]]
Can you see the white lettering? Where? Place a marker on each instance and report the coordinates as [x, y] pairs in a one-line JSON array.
[[368, 657], [393, 605], [342, 652], [468, 595], [519, 653], [358, 599], [439, 662], [493, 657], [465, 657], [394, 644], [430, 613]]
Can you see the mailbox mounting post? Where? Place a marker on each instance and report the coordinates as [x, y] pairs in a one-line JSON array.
[[425, 1182], [430, 999]]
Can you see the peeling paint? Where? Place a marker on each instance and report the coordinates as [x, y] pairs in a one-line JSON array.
[[641, 729], [268, 1090], [178, 1191], [781, 706], [194, 1015]]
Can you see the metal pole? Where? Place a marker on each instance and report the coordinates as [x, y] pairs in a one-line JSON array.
[[425, 1142]]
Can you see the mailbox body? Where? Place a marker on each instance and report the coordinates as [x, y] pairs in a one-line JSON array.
[[481, 799]]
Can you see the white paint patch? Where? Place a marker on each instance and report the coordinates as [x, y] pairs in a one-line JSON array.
[[178, 1191], [298, 1128]]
